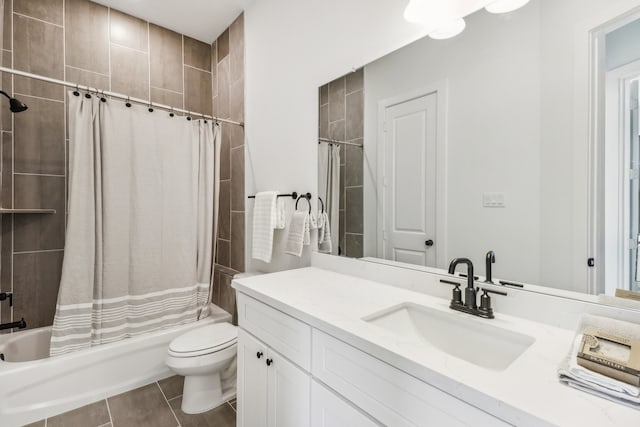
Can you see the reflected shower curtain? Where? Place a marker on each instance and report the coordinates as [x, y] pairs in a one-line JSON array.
[[139, 244], [329, 190]]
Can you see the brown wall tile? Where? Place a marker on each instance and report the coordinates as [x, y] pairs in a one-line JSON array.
[[223, 88], [39, 137], [336, 99], [237, 179], [214, 69], [237, 241], [167, 97], [337, 130], [223, 45], [353, 243], [7, 169], [354, 210], [225, 151], [224, 217], [353, 165], [197, 90], [236, 49], [236, 101], [354, 116], [7, 28], [88, 78], [323, 122], [7, 86], [129, 31], [355, 81], [87, 36], [166, 58], [6, 266], [224, 255], [324, 94], [227, 298], [236, 135], [38, 49], [35, 286], [197, 54], [46, 10], [129, 72], [36, 232]]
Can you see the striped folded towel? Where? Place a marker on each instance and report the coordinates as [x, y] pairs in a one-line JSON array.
[[265, 219], [299, 234]]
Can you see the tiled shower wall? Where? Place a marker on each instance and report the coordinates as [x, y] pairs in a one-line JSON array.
[[83, 42], [341, 118]]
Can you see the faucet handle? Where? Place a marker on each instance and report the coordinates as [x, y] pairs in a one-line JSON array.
[[485, 310], [456, 295]]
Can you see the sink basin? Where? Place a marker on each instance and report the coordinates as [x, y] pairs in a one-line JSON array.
[[466, 337]]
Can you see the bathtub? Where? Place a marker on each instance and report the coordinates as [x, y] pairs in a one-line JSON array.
[[34, 386]]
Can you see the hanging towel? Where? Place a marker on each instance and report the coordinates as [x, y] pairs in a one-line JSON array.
[[298, 233], [581, 378], [324, 234], [264, 221], [280, 214]]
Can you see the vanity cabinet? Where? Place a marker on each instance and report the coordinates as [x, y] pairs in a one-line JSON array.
[[271, 390], [279, 386]]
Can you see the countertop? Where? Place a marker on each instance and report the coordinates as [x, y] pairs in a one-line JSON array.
[[527, 393]]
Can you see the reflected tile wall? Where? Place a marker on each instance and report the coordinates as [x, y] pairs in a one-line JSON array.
[[340, 117], [84, 42]]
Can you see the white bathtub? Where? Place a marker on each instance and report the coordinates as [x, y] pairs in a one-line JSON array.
[[34, 386]]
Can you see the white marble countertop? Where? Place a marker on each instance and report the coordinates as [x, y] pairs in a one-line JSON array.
[[527, 393]]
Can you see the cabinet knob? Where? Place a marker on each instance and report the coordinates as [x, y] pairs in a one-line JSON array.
[[259, 354], [269, 362]]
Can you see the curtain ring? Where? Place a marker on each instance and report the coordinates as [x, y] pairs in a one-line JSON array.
[[102, 98], [76, 92], [128, 104], [189, 115], [150, 105], [307, 197], [204, 118], [171, 114]]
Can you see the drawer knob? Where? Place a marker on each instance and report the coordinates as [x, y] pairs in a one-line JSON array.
[[259, 354], [269, 362]]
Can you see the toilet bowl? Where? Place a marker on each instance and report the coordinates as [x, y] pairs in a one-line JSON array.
[[206, 358]]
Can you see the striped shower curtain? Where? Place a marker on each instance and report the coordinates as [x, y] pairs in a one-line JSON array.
[[139, 243]]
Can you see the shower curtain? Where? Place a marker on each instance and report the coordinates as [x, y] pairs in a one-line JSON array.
[[140, 232], [329, 190]]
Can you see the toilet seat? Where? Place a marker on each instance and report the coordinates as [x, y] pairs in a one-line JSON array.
[[205, 340]]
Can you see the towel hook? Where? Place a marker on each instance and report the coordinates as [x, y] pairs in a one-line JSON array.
[[321, 204], [307, 197]]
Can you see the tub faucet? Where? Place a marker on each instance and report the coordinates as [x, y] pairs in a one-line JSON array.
[[470, 290], [491, 259], [21, 324]]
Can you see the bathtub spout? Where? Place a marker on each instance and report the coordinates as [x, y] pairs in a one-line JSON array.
[[21, 324]]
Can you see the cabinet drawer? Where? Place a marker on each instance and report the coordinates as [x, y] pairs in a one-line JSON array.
[[330, 410], [391, 396], [288, 336]]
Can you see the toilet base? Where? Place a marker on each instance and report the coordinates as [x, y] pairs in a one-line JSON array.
[[201, 393]]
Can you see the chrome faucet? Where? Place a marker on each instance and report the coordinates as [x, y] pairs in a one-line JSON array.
[[469, 305]]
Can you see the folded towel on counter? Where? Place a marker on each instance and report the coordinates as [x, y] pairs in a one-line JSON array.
[[581, 378], [280, 214], [324, 233], [299, 234], [264, 222]]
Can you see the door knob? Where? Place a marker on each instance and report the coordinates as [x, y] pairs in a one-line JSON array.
[[259, 354], [429, 243]]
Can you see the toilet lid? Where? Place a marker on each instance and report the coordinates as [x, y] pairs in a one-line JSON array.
[[204, 340]]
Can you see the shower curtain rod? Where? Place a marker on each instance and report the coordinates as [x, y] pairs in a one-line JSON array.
[[114, 95], [334, 141]]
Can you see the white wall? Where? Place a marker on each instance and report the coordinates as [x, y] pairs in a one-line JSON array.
[[292, 48]]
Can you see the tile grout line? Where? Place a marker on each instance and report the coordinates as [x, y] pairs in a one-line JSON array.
[[109, 410], [168, 404], [37, 19]]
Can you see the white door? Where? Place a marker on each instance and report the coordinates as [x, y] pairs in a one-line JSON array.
[[330, 410], [410, 181], [252, 381], [289, 393]]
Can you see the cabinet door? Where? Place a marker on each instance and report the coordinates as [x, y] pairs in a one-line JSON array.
[[252, 381], [289, 393], [330, 410]]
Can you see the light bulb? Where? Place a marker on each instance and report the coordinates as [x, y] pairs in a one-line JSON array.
[[505, 6], [451, 29]]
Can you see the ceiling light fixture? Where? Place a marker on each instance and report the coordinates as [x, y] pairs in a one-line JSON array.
[[451, 29], [505, 6]]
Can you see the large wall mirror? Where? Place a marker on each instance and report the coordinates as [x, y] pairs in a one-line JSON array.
[[518, 136]]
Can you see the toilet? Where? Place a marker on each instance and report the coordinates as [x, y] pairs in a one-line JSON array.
[[206, 357]]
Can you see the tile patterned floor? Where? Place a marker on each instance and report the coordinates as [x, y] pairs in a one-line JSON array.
[[154, 405]]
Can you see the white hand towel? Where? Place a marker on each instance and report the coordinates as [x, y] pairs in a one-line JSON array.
[[298, 233], [579, 377], [280, 214], [324, 235], [264, 221]]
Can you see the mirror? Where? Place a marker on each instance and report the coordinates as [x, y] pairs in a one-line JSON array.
[[518, 136]]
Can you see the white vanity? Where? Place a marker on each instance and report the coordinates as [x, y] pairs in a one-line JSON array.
[[322, 348]]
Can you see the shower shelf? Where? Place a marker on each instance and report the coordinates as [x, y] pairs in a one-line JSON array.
[[27, 211]]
